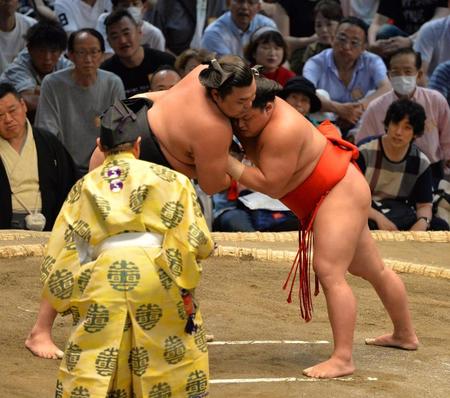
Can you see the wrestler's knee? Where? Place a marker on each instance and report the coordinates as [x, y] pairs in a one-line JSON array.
[[329, 274]]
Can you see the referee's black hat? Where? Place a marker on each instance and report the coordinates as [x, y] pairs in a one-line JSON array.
[[124, 121]]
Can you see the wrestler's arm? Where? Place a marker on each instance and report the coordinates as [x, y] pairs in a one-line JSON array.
[[210, 151], [277, 162]]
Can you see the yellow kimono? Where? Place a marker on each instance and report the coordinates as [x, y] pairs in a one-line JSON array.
[[128, 338]]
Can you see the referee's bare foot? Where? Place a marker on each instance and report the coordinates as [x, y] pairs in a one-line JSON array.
[[42, 345], [389, 340]]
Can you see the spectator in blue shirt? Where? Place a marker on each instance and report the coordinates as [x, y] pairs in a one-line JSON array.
[[351, 75], [440, 80], [46, 42], [230, 33]]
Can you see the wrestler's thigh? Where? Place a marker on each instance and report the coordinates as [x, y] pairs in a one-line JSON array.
[[339, 222]]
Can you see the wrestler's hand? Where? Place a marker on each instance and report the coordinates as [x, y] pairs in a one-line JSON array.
[[235, 168]]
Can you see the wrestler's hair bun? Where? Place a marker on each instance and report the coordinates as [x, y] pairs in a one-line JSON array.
[[224, 74], [214, 76]]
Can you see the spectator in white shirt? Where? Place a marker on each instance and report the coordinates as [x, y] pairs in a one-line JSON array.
[[13, 27], [78, 14]]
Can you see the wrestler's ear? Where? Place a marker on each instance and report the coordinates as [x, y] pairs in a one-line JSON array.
[[215, 95], [269, 108]]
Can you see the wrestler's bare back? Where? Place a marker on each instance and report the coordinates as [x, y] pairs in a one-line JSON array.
[[193, 133], [286, 151]]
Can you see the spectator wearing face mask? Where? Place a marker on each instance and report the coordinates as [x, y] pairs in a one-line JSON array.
[[404, 71]]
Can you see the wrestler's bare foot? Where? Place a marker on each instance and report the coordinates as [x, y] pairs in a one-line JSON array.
[[389, 340], [209, 337], [41, 345], [329, 369]]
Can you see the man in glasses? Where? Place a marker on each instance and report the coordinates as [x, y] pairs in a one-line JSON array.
[[72, 99], [352, 76], [230, 33]]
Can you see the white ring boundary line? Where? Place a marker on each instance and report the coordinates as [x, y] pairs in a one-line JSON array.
[[284, 379], [250, 342]]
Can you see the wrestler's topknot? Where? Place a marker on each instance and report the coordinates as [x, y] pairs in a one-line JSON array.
[[225, 73]]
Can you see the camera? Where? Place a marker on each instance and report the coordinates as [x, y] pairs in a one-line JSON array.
[[35, 222]]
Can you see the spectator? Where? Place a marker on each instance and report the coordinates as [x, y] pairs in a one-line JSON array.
[[250, 212], [182, 22], [191, 58], [404, 70], [73, 99], [440, 80], [13, 26], [44, 10], [164, 78], [274, 10], [36, 171], [78, 14], [396, 23], [399, 173], [131, 62], [46, 42], [238, 209], [300, 93], [433, 44], [268, 49], [152, 37], [327, 15], [231, 33], [364, 9], [352, 76], [299, 16]]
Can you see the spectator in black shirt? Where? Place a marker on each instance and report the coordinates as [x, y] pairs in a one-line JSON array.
[[131, 61], [396, 23]]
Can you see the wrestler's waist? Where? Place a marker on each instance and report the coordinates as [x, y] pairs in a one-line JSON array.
[[330, 169], [128, 239]]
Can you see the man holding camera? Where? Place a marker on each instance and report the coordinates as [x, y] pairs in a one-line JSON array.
[[36, 171]]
